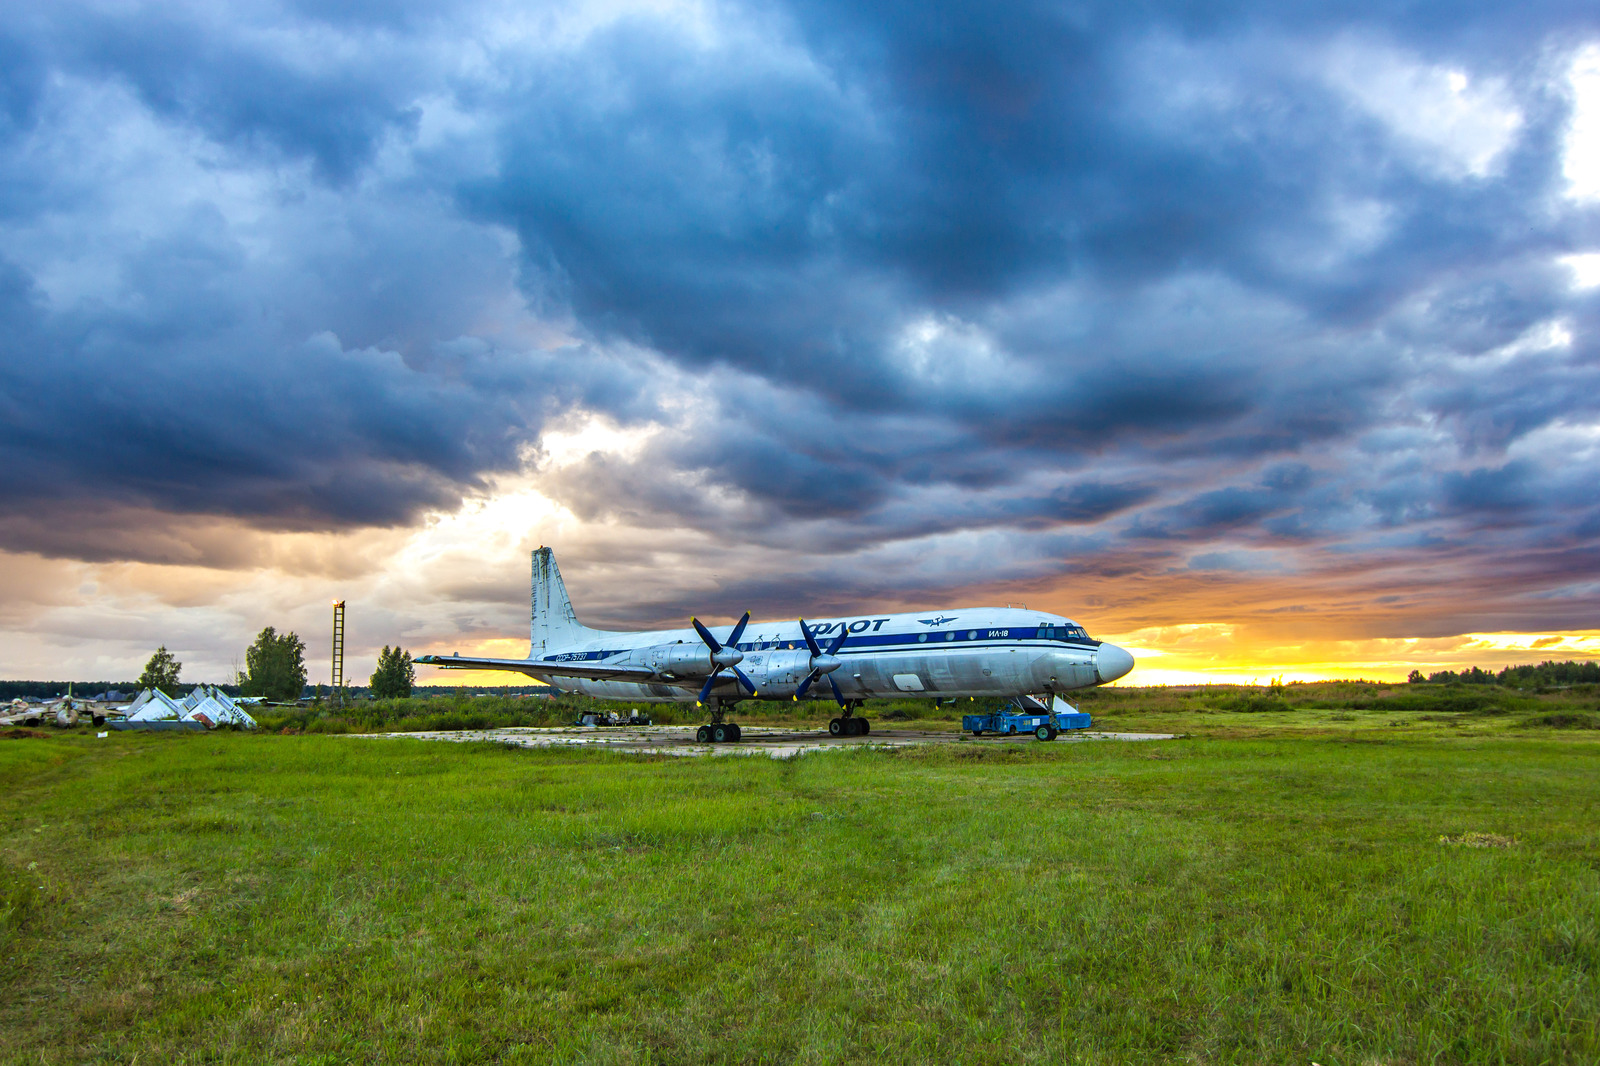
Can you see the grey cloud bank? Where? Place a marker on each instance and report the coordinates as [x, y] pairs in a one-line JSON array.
[[1117, 289]]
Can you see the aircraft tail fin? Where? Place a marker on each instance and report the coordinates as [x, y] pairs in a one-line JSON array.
[[553, 623]]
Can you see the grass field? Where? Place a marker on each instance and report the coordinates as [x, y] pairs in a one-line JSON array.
[[1344, 892], [1208, 710]]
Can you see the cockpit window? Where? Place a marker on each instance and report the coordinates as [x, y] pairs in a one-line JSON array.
[[1066, 632]]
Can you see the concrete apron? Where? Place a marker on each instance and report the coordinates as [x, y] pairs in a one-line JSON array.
[[758, 740]]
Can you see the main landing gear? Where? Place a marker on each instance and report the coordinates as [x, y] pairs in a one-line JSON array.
[[720, 733], [848, 725], [717, 731]]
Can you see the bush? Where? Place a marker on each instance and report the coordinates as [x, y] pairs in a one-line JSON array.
[[1254, 703], [1567, 720], [1456, 699]]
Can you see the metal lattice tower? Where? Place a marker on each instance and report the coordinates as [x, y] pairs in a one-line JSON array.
[[338, 653]]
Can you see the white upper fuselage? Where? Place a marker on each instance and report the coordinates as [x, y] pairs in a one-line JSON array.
[[983, 651]]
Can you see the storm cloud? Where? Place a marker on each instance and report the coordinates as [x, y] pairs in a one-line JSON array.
[[1158, 290]]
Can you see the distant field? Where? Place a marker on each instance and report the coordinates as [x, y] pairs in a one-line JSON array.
[[1220, 710], [1348, 891]]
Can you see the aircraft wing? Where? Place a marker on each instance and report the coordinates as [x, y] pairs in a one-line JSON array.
[[542, 668]]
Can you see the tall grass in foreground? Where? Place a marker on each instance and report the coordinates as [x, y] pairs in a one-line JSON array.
[[236, 898]]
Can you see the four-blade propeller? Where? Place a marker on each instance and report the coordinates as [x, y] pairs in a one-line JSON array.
[[724, 656], [823, 664]]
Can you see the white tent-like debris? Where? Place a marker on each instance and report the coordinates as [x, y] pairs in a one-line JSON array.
[[153, 705], [206, 704], [213, 707], [133, 708]]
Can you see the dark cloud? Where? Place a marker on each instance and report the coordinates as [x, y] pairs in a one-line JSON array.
[[1167, 276], [1498, 494], [1092, 501]]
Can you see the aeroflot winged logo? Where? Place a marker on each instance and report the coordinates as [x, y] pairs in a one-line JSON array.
[[941, 620]]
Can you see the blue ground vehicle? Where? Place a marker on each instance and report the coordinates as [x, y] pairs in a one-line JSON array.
[[1028, 716]]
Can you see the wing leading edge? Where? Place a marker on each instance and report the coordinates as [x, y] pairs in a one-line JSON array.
[[542, 668]]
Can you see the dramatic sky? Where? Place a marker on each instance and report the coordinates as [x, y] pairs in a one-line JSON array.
[[1263, 338]]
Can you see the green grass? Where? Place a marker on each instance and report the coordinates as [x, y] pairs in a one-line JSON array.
[[1336, 706], [1315, 895], [1344, 707]]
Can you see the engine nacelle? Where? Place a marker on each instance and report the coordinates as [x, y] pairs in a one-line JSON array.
[[679, 660], [778, 671]]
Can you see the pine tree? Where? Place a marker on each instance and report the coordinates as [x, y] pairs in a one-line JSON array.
[[161, 672], [395, 674]]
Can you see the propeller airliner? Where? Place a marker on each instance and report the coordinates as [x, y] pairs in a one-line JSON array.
[[978, 651]]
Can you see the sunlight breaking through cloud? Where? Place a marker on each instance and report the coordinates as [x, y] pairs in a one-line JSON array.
[[1284, 334]]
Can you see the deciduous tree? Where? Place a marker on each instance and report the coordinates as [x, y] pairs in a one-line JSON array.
[[275, 666], [161, 672], [395, 674]]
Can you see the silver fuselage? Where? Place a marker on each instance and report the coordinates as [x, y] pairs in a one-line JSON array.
[[990, 651]]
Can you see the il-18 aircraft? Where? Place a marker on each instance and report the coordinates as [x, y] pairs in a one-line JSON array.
[[971, 651]]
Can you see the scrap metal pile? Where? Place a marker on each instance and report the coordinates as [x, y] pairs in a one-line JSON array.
[[206, 707], [65, 711]]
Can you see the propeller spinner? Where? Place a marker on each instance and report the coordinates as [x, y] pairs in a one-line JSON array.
[[724, 656]]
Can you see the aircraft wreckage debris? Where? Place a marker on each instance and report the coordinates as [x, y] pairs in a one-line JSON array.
[[771, 741]]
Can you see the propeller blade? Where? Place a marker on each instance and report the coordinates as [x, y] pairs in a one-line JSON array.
[[836, 693], [801, 691], [838, 642], [811, 642], [743, 680], [711, 682], [705, 635], [738, 631]]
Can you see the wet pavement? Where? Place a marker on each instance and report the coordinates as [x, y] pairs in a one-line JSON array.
[[770, 741]]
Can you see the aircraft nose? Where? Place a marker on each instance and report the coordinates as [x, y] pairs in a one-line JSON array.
[[1111, 662]]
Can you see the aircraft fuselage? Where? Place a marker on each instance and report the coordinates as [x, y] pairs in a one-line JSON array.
[[990, 651], [970, 651]]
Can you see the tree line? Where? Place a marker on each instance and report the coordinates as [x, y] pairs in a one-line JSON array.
[[275, 669], [1527, 675]]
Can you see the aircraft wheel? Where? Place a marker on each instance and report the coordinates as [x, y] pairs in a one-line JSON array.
[[734, 732], [1043, 733], [1055, 731], [836, 727], [720, 734], [866, 726], [703, 735]]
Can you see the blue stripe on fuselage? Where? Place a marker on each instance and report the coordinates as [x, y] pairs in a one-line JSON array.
[[874, 642]]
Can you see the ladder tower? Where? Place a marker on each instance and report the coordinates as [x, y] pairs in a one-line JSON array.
[[338, 653]]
